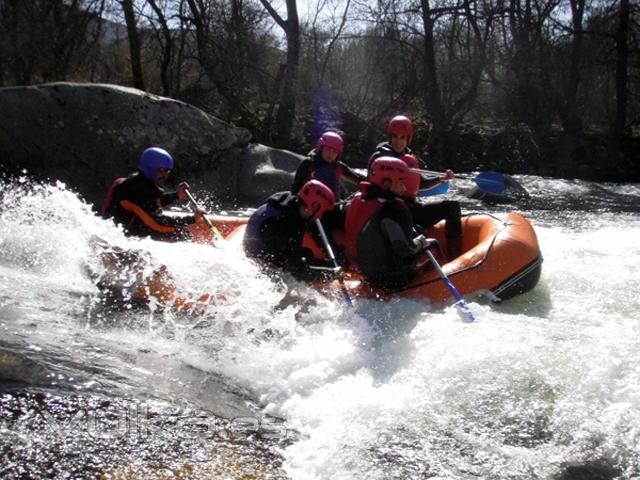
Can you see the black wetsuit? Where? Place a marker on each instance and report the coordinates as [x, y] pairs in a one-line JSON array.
[[313, 167], [274, 235], [426, 214], [137, 203]]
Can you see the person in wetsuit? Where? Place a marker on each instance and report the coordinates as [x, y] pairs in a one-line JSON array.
[[400, 132], [323, 164], [136, 202], [379, 229], [276, 229]]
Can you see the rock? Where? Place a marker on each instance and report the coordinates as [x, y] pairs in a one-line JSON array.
[[88, 134], [513, 192], [264, 171]]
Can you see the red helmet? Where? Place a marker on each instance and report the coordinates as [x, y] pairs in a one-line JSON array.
[[400, 125], [413, 178], [388, 168], [317, 192], [332, 140]]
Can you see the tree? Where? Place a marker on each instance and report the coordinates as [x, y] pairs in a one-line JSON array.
[[45, 40], [166, 42], [288, 91], [456, 60], [621, 72], [568, 106], [134, 43]]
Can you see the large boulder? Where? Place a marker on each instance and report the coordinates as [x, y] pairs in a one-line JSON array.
[[88, 134], [265, 170]]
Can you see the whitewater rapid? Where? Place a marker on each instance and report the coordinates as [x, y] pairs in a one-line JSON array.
[[546, 385]]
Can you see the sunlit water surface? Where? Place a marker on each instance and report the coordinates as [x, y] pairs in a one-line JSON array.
[[546, 385]]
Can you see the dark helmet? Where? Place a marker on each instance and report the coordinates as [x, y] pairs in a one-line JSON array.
[[315, 191], [400, 125], [388, 168], [332, 140], [153, 159]]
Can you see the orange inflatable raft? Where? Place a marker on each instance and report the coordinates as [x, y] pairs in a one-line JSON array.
[[501, 258]]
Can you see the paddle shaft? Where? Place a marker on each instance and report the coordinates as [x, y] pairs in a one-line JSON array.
[[434, 173], [460, 303], [491, 182], [214, 230], [332, 257]]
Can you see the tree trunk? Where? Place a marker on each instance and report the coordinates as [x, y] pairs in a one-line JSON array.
[[622, 61], [571, 121], [167, 50], [288, 93], [134, 43], [432, 95], [211, 63]]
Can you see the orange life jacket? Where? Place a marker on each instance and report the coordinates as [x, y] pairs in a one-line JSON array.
[[413, 180]]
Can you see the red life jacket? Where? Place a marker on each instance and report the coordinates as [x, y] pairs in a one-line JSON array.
[[413, 180], [106, 203], [360, 210]]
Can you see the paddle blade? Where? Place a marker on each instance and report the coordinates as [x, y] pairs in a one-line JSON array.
[[463, 309], [491, 182], [345, 294], [438, 189]]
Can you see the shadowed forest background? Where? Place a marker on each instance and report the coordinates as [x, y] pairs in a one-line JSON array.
[[546, 87]]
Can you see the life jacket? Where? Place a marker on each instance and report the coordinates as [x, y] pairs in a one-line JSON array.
[[106, 202], [360, 210], [413, 180], [327, 173], [123, 203]]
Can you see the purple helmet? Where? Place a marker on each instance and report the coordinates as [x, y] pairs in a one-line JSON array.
[[153, 159]]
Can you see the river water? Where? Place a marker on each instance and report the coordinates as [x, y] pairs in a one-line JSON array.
[[543, 386]]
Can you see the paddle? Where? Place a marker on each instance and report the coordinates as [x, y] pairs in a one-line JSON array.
[[216, 233], [462, 306], [491, 182], [437, 189], [327, 246]]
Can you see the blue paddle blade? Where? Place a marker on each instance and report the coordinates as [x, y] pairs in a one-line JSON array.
[[491, 182], [438, 189]]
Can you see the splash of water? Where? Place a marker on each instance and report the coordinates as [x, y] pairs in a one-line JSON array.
[[544, 386]]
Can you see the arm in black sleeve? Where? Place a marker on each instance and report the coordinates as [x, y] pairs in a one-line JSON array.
[[351, 175], [303, 174], [373, 156], [301, 266], [427, 182], [168, 198]]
